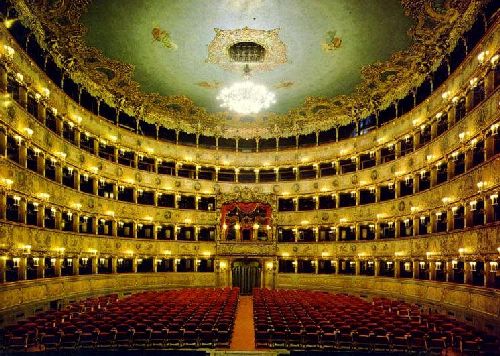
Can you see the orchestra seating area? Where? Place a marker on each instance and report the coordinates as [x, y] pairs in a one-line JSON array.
[[297, 319], [186, 318]]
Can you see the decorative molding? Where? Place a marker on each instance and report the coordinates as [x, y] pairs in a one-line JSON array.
[[438, 27], [275, 49]]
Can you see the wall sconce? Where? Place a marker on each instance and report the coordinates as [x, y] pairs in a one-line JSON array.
[[139, 261], [236, 226], [353, 194], [120, 261], [28, 131], [482, 56], [473, 266], [69, 262], [85, 261], [36, 261], [406, 222], [422, 264], [26, 249], [423, 220], [454, 210], [493, 266], [454, 264], [45, 92], [390, 186], [473, 205], [15, 262], [494, 199], [407, 266], [269, 266], [439, 265], [223, 265], [17, 199], [390, 225], [9, 51], [102, 261], [19, 77], [371, 227], [52, 261]]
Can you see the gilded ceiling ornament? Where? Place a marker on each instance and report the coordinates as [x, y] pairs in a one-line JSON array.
[[275, 49], [439, 25]]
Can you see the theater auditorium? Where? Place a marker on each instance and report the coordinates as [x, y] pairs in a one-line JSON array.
[[249, 177]]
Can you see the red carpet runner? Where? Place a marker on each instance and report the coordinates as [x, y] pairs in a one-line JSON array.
[[243, 332]]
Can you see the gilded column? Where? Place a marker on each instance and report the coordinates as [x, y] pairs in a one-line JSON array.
[[467, 273], [57, 266], [94, 264], [376, 267], [114, 264], [432, 271], [22, 270], [3, 262], [415, 269], [76, 265]]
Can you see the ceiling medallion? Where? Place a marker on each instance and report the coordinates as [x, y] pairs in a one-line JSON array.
[[261, 50], [246, 97]]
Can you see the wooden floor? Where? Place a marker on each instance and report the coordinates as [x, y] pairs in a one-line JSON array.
[[243, 332]]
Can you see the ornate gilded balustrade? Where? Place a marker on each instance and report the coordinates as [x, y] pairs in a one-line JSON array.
[[458, 190], [475, 124]]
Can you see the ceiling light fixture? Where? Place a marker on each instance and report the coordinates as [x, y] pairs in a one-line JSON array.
[[246, 97]]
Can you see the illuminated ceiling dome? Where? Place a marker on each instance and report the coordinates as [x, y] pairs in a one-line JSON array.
[[329, 63]]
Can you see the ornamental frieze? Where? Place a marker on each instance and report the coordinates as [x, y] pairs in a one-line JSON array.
[[246, 249]]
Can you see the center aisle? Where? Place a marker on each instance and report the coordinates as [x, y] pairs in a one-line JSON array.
[[243, 332]]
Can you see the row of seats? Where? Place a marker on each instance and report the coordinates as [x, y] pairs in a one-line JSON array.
[[186, 318], [297, 319]]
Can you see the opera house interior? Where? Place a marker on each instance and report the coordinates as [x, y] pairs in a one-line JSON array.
[[250, 176]]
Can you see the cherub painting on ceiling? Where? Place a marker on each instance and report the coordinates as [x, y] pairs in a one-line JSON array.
[[332, 42], [162, 36]]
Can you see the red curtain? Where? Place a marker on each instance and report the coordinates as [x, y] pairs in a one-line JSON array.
[[246, 208]]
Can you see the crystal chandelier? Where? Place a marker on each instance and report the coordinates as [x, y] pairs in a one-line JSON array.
[[246, 97]]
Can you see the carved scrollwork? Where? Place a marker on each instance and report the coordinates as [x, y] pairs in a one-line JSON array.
[[439, 25]]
